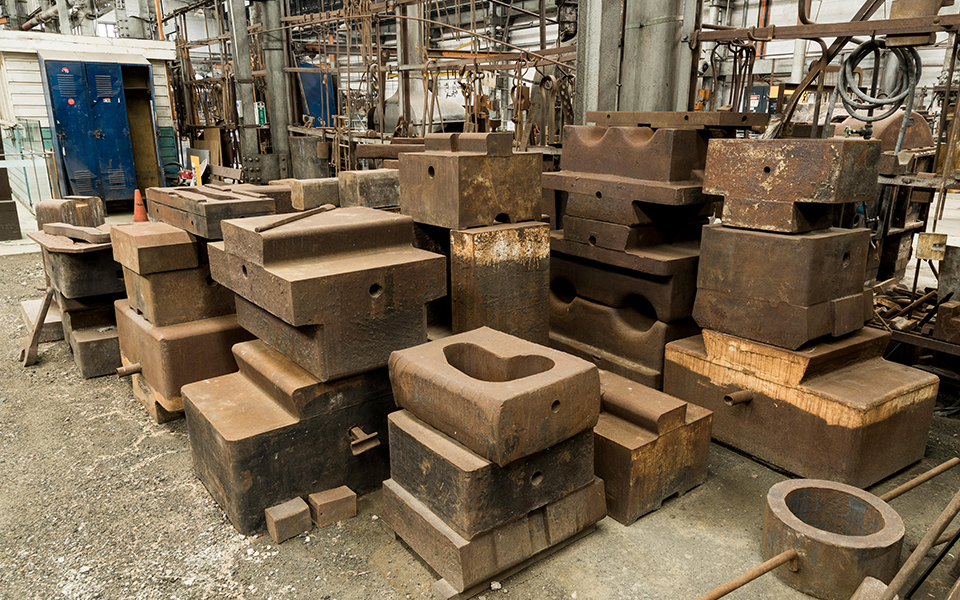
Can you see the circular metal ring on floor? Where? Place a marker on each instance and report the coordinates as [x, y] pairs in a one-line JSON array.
[[841, 534]]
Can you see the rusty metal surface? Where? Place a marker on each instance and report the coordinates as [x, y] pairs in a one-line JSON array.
[[662, 259], [831, 171], [781, 289], [173, 297], [311, 193], [671, 298], [199, 210], [378, 188], [841, 534], [887, 131], [83, 211], [173, 356], [502, 397], [623, 238], [947, 325], [627, 340], [277, 409], [500, 278], [348, 265], [469, 180], [634, 213], [826, 412], [931, 246], [279, 190], [153, 247], [783, 217], [632, 164], [473, 495], [82, 275], [648, 446], [92, 335], [662, 119], [463, 563], [343, 347]]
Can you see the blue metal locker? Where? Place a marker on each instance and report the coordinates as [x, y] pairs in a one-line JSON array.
[[88, 116]]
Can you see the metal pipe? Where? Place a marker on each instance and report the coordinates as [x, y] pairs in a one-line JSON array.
[[735, 398], [43, 17], [943, 539], [273, 60], [920, 479], [926, 572], [128, 370], [758, 571], [926, 543]]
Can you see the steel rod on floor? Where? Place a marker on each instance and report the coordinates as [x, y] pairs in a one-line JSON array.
[[758, 571]]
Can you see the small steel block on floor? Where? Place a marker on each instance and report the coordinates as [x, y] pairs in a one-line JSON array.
[[332, 506], [288, 520], [94, 341], [502, 397]]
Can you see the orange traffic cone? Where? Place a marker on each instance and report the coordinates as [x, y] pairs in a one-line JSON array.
[[139, 209]]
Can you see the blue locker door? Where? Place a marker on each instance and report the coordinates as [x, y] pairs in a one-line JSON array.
[[111, 131], [70, 103]]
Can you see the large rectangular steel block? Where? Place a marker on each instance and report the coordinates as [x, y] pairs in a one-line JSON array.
[[271, 432], [92, 336], [378, 188], [500, 396], [459, 188], [173, 297], [465, 563], [500, 278], [152, 247], [347, 264], [633, 213], [785, 217], [83, 274], [623, 238], [199, 210], [175, 355], [306, 194], [81, 211], [829, 411], [627, 339], [648, 447], [670, 298], [342, 348], [473, 495], [831, 171], [662, 259]]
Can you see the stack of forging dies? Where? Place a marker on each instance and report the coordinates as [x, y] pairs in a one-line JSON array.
[[784, 360]]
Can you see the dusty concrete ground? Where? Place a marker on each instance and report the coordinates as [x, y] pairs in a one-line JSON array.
[[97, 501]]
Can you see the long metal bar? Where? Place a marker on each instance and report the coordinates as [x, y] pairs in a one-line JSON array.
[[920, 479], [913, 25], [758, 571]]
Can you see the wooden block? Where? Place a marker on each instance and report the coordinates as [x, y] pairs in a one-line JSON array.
[[306, 194], [287, 520], [473, 495], [465, 563], [331, 506]]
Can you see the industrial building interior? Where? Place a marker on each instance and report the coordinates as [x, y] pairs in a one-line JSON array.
[[528, 299]]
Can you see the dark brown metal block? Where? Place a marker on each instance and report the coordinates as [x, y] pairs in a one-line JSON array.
[[473, 495], [841, 535], [830, 171], [648, 447], [306, 194], [173, 356], [378, 188], [174, 297], [781, 289], [785, 217], [287, 520], [271, 432], [632, 213], [947, 326], [663, 259], [500, 278], [623, 238], [500, 396], [82, 211], [464, 563], [279, 190], [462, 182], [627, 340], [348, 265], [89, 270], [9, 220], [199, 210], [662, 166], [670, 297], [829, 411], [342, 348], [93, 339], [152, 247]]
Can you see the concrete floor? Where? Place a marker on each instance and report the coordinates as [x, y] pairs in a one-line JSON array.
[[97, 501]]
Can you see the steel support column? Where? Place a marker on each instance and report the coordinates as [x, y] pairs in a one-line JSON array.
[[279, 106]]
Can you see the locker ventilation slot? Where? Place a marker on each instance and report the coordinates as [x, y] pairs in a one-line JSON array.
[[68, 86], [84, 182], [104, 86], [116, 179]]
